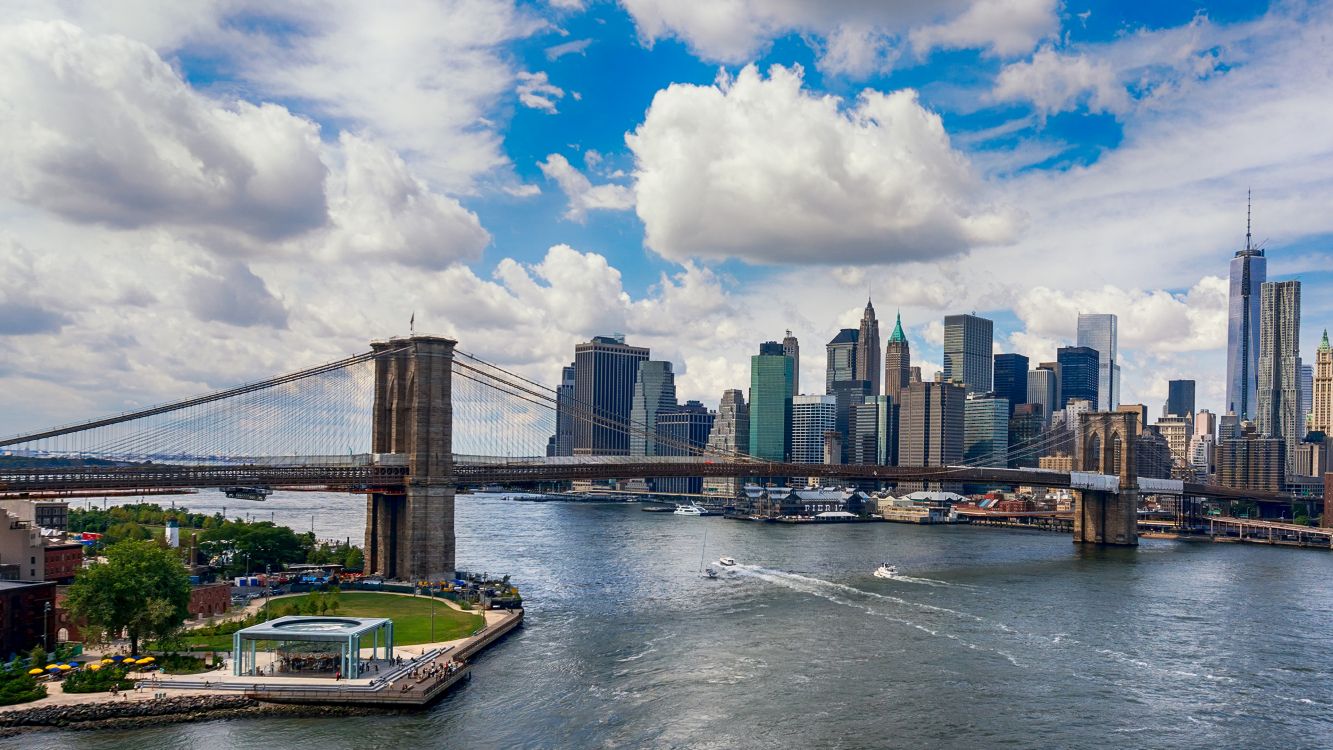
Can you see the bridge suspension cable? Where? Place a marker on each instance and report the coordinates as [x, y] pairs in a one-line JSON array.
[[319, 411]]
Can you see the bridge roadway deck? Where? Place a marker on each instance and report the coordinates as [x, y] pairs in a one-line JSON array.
[[393, 478]]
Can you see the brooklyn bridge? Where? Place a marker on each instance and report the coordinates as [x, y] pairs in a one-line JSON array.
[[414, 420]]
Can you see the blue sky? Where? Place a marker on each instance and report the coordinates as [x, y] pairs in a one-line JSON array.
[[232, 189]]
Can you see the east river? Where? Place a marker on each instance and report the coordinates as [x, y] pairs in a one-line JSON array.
[[995, 638]]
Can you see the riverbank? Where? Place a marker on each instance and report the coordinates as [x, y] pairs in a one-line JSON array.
[[137, 711]]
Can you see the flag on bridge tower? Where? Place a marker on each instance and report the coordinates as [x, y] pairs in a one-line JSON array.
[[412, 324]]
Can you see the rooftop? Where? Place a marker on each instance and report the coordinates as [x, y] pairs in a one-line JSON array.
[[308, 628]]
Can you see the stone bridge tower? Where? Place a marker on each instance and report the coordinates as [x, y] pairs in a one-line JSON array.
[[411, 536], [1106, 446]]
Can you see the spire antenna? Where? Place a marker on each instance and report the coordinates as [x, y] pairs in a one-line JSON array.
[[1248, 203]]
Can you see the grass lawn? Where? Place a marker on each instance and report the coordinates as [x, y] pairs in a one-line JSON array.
[[410, 615]]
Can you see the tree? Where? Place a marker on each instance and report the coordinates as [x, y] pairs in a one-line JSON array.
[[120, 532], [142, 589], [355, 559]]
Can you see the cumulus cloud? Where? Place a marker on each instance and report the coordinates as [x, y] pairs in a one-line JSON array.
[[1152, 320], [100, 129], [855, 37], [231, 293], [1004, 27], [536, 91], [1054, 82], [422, 76], [380, 210], [759, 169], [584, 196]]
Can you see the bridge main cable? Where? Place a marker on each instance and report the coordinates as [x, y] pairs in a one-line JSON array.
[[208, 398]]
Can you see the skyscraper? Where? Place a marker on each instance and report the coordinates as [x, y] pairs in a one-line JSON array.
[[1321, 406], [792, 348], [986, 430], [847, 394], [564, 413], [654, 394], [684, 430], [1179, 398], [1099, 331], [867, 349], [968, 344], [604, 373], [930, 424], [811, 417], [1041, 390], [1307, 395], [1279, 371], [841, 363], [1011, 379], [730, 435], [1079, 374], [897, 361], [771, 376], [872, 431], [1249, 270]]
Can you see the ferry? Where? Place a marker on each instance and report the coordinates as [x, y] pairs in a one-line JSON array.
[[726, 562], [247, 493], [886, 571], [689, 510]]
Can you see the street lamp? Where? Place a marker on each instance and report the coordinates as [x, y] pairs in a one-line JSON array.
[[46, 611]]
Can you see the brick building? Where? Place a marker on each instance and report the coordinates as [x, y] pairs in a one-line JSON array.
[[63, 562], [210, 599], [27, 616]]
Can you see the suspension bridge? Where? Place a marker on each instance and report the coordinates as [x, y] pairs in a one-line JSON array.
[[415, 419]]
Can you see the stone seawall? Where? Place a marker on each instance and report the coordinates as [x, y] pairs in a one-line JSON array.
[[135, 714]]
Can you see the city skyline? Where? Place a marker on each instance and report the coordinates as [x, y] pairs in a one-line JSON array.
[[539, 188]]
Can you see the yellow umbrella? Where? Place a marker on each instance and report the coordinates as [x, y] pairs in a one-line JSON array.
[[108, 661], [51, 666], [34, 671], [64, 667], [95, 666], [147, 660], [127, 662]]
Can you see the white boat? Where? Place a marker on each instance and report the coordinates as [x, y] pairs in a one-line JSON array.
[[689, 510], [710, 573], [726, 562], [886, 571]]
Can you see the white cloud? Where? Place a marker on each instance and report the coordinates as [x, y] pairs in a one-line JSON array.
[[856, 37], [536, 91], [424, 77], [759, 169], [1004, 27], [379, 210], [575, 47], [584, 196], [99, 129], [1054, 82]]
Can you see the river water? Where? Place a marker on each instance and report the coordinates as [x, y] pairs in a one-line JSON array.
[[994, 638]]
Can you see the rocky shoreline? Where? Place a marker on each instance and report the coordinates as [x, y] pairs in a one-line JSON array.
[[139, 714]]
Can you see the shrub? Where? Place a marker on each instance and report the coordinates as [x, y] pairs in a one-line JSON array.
[[17, 687], [100, 681]]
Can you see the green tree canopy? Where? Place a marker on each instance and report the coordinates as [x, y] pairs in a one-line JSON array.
[[142, 588], [264, 544]]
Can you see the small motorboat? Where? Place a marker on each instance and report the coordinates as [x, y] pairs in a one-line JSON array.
[[726, 562], [886, 571], [710, 573]]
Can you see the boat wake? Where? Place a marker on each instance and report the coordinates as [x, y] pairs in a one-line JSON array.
[[850, 596], [930, 582]]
